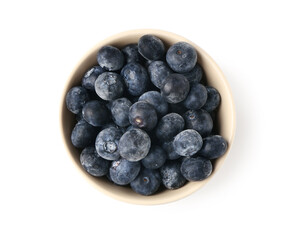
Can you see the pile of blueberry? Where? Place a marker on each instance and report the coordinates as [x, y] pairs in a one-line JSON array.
[[144, 118]]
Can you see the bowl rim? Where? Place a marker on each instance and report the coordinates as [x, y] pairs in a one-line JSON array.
[[143, 32]]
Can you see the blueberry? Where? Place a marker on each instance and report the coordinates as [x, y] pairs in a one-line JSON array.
[[109, 86], [143, 115], [178, 108], [195, 75], [199, 120], [171, 176], [119, 110], [147, 182], [196, 169], [90, 76], [110, 58], [169, 148], [155, 158], [122, 172], [213, 147], [187, 142], [95, 113], [213, 99], [157, 101], [169, 126], [132, 54], [158, 72], [76, 97], [151, 47], [181, 57], [107, 143], [196, 97], [134, 144], [135, 78], [93, 163], [112, 124], [175, 88], [83, 134]]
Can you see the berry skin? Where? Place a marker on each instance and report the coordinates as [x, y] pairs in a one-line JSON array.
[[175, 88], [136, 78], [157, 101], [107, 143], [195, 75], [196, 97], [111, 124], [147, 182], [155, 158], [93, 163], [110, 58], [90, 77], [213, 147], [142, 115], [199, 120], [109, 86], [196, 169], [134, 145], [119, 110], [187, 142], [158, 72], [169, 148], [151, 47], [123, 172], [132, 54], [95, 113], [213, 99], [181, 57], [171, 176], [83, 134], [169, 126], [76, 97]]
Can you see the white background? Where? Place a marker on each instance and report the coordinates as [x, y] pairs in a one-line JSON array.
[[253, 196]]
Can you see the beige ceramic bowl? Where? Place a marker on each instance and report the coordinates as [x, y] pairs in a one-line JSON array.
[[215, 78]]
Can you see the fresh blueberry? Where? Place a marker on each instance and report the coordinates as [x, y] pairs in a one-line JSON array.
[[169, 148], [135, 78], [83, 134], [171, 176], [110, 58], [196, 169], [196, 97], [187, 142], [213, 147], [90, 77], [147, 182], [169, 126], [195, 75], [143, 115], [155, 158], [119, 110], [123, 172], [93, 163], [157, 101], [213, 99], [132, 54], [109, 86], [181, 57], [158, 72], [151, 47], [199, 120], [107, 143], [95, 113], [112, 124], [134, 144], [76, 97], [175, 88]]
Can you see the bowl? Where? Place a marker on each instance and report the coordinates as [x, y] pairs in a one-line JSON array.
[[225, 117]]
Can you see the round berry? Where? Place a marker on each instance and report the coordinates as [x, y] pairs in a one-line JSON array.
[[76, 97], [151, 47], [196, 169], [95, 113], [110, 58], [155, 158]]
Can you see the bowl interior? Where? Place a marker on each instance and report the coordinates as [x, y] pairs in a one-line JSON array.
[[225, 116]]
